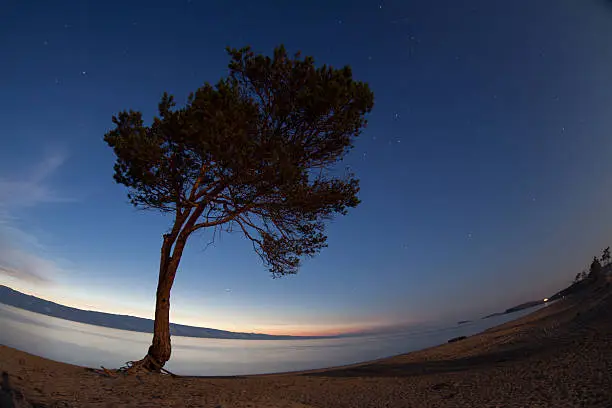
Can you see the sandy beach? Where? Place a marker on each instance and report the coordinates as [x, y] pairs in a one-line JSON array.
[[559, 356]]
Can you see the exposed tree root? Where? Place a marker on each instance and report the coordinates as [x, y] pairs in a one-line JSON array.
[[147, 365], [108, 372]]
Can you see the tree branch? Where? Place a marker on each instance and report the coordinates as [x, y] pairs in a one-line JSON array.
[[220, 221], [246, 233]]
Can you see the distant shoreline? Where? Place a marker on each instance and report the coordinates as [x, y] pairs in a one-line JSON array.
[[14, 298]]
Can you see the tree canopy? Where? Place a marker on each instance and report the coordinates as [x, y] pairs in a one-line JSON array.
[[595, 269], [605, 256], [252, 152]]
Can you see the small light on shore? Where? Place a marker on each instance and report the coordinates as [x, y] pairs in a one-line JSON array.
[[546, 299]]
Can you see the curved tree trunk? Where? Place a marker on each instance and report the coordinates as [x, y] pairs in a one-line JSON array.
[[161, 348]]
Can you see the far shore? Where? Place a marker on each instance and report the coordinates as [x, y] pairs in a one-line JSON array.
[[557, 356]]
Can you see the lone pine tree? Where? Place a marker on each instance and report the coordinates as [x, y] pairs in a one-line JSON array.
[[252, 153]]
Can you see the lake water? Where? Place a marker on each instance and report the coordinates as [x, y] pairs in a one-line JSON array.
[[92, 346]]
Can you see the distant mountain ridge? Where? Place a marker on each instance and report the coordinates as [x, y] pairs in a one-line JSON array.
[[20, 300]]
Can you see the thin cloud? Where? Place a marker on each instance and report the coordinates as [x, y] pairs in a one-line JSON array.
[[33, 188], [13, 236], [25, 276], [49, 165], [21, 251], [27, 267]]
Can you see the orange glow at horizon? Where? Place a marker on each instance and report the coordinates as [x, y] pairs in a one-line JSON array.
[[62, 297], [309, 330]]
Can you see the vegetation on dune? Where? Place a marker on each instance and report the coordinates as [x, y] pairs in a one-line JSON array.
[[594, 274]]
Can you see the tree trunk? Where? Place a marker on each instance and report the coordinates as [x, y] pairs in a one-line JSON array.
[[161, 348]]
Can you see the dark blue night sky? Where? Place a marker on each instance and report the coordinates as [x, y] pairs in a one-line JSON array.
[[485, 167]]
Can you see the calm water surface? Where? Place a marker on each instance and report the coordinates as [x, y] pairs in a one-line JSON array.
[[92, 346]]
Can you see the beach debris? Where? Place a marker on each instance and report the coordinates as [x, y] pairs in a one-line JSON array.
[[454, 339]]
